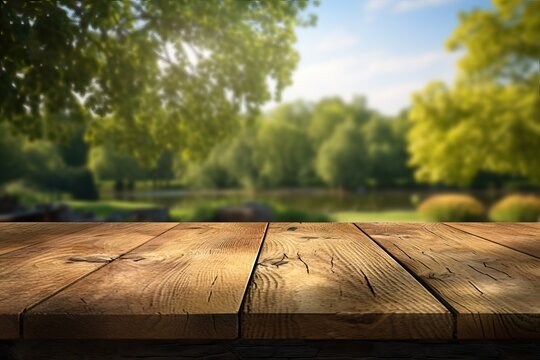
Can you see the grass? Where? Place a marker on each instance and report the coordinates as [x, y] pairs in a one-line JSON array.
[[103, 208], [397, 215]]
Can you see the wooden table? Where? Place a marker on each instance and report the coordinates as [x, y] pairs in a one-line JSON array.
[[372, 281]]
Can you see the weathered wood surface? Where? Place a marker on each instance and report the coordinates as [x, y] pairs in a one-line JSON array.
[[312, 281], [523, 237], [187, 283], [14, 236], [31, 274], [493, 289], [329, 280]]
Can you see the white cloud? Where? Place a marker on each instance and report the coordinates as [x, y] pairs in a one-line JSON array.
[[376, 5], [411, 5], [337, 40], [387, 80], [372, 6]]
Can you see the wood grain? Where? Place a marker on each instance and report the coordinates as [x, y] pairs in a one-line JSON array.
[[330, 281], [188, 283], [493, 289], [31, 274], [519, 236], [14, 236]]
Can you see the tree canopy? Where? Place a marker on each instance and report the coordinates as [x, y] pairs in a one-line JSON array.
[[144, 75], [489, 119]]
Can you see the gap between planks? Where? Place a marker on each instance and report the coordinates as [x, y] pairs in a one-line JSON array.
[[426, 286], [480, 233], [491, 303], [120, 315], [250, 281]]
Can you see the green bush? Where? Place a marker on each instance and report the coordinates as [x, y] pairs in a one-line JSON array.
[[452, 207], [82, 185], [27, 194], [516, 208]]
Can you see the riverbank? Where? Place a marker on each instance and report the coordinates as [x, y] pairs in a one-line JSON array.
[[105, 208]]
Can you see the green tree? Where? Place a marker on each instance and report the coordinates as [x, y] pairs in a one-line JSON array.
[[459, 132], [11, 155], [107, 163], [44, 166], [145, 75], [501, 43], [386, 150], [342, 159], [489, 120], [283, 154], [213, 172], [328, 114]]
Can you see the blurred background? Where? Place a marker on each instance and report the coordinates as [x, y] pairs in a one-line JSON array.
[[234, 110]]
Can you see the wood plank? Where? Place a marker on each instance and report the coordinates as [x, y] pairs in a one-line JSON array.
[[188, 283], [493, 289], [330, 281], [517, 236], [14, 236], [30, 275]]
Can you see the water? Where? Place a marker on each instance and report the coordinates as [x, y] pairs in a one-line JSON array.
[[324, 201]]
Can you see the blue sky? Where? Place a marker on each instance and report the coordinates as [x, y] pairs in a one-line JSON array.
[[382, 49]]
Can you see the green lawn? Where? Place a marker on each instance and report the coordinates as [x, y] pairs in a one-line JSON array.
[[398, 215], [103, 208]]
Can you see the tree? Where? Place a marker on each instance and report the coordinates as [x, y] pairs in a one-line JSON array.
[[283, 154], [145, 75], [501, 43], [386, 149], [342, 159], [11, 155], [107, 163], [489, 120], [44, 167], [459, 132], [328, 114]]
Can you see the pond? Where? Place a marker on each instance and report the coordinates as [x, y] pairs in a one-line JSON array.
[[324, 201]]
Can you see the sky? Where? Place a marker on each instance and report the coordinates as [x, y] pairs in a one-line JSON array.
[[381, 49]]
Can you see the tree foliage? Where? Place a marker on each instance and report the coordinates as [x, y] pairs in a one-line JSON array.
[[145, 75], [288, 148], [489, 119], [342, 159]]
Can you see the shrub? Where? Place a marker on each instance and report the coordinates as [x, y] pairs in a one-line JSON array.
[[516, 208], [452, 207], [82, 185]]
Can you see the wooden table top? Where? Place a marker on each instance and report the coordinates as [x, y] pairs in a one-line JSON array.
[[376, 281]]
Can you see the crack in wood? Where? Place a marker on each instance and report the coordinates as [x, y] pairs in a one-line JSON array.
[[492, 268], [368, 283], [400, 249], [281, 261], [483, 273], [187, 319], [476, 287], [306, 265], [92, 259], [211, 289]]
